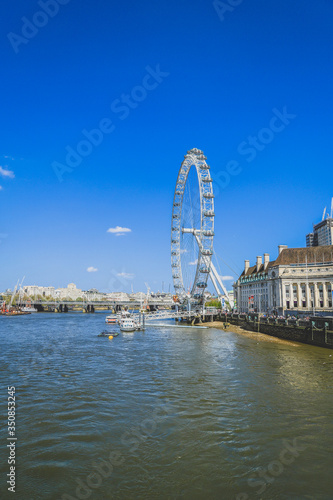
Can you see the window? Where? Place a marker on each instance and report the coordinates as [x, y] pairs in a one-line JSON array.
[[321, 295]]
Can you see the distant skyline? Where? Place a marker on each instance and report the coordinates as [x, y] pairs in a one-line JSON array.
[[100, 103]]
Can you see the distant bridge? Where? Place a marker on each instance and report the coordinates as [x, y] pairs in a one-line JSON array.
[[91, 306]]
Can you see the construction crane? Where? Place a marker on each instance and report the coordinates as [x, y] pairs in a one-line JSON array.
[[21, 293], [13, 294], [324, 212]]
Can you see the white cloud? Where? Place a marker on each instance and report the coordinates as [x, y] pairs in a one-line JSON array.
[[6, 173], [118, 230], [127, 276], [194, 263], [227, 278], [92, 269], [183, 250], [1, 188]]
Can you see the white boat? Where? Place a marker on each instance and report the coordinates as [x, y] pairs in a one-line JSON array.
[[111, 320], [29, 309], [127, 325]]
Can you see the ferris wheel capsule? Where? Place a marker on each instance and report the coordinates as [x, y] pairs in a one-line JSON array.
[[204, 269]]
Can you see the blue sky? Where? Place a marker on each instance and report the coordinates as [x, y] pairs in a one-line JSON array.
[[221, 78]]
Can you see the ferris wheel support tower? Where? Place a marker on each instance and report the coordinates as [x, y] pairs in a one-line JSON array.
[[213, 274]]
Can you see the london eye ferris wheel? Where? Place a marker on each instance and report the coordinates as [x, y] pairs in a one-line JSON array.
[[192, 229]]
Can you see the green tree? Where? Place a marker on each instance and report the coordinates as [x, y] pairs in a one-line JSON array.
[[214, 303]]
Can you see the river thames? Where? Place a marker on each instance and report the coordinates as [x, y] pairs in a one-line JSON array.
[[169, 413]]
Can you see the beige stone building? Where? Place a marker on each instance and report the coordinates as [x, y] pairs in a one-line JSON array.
[[71, 292], [299, 281], [35, 290]]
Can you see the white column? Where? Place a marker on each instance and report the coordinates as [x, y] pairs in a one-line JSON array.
[[316, 295], [305, 290], [292, 295], [269, 293], [280, 293], [307, 295], [299, 295], [325, 294]]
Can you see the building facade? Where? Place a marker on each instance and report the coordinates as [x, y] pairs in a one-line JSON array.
[[299, 281], [44, 291], [322, 234], [71, 292], [118, 296]]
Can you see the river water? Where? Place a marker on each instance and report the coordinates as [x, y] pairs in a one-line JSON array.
[[169, 413]]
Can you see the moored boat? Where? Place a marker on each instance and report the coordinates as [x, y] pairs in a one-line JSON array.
[[111, 320], [29, 309], [107, 334], [127, 325]]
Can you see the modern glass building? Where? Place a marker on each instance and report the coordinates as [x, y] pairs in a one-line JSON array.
[[322, 234]]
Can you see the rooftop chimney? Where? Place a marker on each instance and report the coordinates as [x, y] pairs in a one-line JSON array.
[[282, 247], [246, 266], [266, 260], [259, 262]]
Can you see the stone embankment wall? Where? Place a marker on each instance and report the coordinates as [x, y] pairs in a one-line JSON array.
[[307, 332]]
